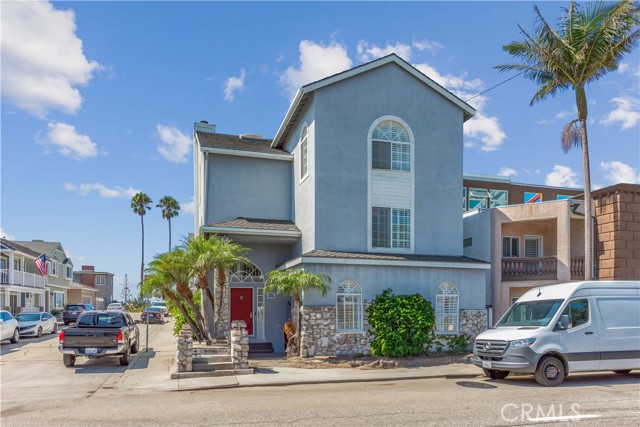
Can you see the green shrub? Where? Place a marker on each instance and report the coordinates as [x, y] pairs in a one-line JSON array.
[[454, 343], [402, 324], [177, 315]]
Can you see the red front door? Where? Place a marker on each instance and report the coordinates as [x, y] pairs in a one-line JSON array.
[[242, 306]]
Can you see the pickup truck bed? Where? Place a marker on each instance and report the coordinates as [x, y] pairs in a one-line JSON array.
[[99, 334]]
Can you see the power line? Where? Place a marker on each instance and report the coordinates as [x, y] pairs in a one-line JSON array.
[[491, 88]]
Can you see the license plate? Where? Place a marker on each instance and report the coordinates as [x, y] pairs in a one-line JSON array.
[[91, 350], [486, 364]]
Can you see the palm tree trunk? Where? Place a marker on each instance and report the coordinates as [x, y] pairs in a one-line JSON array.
[[142, 263], [221, 279], [169, 219], [203, 284], [588, 220], [296, 315], [174, 298], [185, 292]]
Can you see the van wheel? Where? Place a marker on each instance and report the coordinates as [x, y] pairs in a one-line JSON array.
[[623, 371], [69, 360], [496, 375], [124, 359], [550, 372], [16, 336]]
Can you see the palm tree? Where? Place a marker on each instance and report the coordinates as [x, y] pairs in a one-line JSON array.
[[158, 283], [201, 253], [140, 204], [170, 208], [175, 266], [293, 283], [589, 42]]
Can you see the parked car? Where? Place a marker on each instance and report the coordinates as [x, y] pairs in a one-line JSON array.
[[115, 306], [8, 327], [36, 324], [156, 314], [72, 311], [161, 304], [99, 334]]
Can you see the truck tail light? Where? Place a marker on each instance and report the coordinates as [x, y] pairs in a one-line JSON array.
[[61, 337], [120, 337]]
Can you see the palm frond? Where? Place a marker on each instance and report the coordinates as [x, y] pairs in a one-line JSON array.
[[571, 136]]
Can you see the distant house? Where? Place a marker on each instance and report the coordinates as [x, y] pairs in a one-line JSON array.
[[60, 269], [81, 294], [22, 288], [102, 281], [357, 184]]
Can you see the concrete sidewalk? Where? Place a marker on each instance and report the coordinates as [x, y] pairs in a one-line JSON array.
[[151, 371]]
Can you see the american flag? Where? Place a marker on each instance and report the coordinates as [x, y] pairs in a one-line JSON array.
[[41, 263]]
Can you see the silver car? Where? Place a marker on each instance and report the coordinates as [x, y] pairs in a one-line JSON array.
[[35, 324], [8, 327]]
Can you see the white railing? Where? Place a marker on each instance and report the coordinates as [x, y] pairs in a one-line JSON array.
[[4, 275], [28, 279]]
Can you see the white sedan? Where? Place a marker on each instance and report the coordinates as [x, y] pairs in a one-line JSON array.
[[36, 324], [8, 327]]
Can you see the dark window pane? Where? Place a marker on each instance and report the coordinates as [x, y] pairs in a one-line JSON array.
[[381, 155], [381, 227]]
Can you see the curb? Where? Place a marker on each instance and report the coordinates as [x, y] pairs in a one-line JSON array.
[[340, 381]]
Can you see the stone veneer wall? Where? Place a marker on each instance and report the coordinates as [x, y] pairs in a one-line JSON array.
[[319, 338], [472, 322], [617, 210], [184, 353], [224, 325], [239, 344]]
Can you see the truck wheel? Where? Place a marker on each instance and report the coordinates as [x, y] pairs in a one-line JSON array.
[[66, 323], [495, 374], [69, 360], [124, 359], [623, 371], [550, 372], [134, 348], [16, 336]]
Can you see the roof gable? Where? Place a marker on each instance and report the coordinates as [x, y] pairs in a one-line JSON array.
[[302, 96]]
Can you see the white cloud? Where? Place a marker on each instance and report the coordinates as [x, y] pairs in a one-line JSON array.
[[5, 235], [69, 142], [562, 176], [317, 61], [505, 171], [233, 85], [175, 146], [187, 207], [627, 112], [486, 128], [42, 58], [104, 191], [452, 82], [427, 45], [368, 53], [616, 172]]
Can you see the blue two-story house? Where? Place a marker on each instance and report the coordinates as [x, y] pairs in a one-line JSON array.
[[357, 184]]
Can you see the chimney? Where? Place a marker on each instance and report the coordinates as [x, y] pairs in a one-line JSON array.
[[88, 268], [204, 126]]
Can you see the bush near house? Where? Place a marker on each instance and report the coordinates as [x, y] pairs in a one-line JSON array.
[[177, 315], [402, 324]]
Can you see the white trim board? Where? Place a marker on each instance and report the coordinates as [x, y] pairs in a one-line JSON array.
[[383, 263]]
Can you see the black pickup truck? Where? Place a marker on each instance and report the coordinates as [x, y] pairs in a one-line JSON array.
[[98, 334]]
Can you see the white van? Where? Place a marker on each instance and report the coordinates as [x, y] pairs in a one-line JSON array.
[[556, 329]]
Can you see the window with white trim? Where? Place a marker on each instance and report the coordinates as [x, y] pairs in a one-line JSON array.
[[101, 280], [532, 246], [349, 307], [390, 147], [304, 150], [54, 268], [69, 272], [447, 309], [390, 228], [478, 198], [17, 264], [510, 247]]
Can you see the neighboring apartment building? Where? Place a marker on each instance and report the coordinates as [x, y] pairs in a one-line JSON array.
[[101, 281], [346, 188], [60, 269], [22, 287]]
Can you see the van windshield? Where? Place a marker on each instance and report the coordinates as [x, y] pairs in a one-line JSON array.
[[530, 313]]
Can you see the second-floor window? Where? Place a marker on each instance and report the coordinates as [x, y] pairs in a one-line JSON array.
[[391, 228], [54, 268], [390, 147], [17, 264], [69, 270], [304, 152], [510, 247], [101, 280]]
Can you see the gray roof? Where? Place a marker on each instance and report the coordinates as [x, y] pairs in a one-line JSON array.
[[20, 248], [40, 246], [319, 253], [257, 224], [235, 142]]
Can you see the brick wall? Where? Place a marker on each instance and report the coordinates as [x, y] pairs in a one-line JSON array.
[[617, 210]]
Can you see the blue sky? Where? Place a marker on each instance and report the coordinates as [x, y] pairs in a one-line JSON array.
[[99, 100]]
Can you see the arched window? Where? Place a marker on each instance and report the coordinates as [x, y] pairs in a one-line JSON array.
[[349, 307], [447, 309], [390, 147], [242, 273], [304, 157]]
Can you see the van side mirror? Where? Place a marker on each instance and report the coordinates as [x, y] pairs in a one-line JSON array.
[[564, 322]]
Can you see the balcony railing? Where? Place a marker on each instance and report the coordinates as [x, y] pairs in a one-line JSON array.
[[577, 268], [22, 278], [544, 268]]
